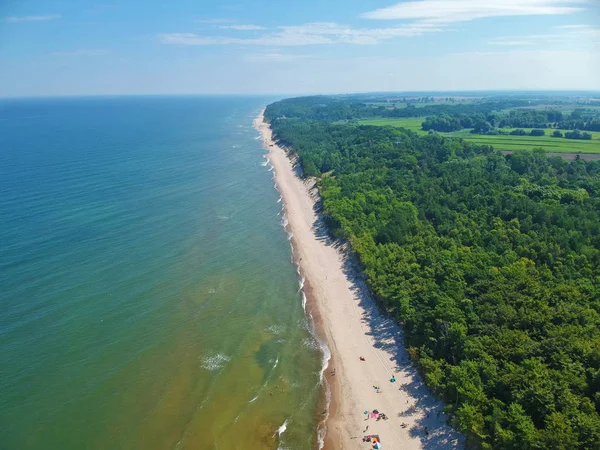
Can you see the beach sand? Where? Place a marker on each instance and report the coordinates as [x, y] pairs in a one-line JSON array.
[[349, 321]]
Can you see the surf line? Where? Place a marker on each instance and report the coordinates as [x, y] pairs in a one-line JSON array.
[[260, 125]]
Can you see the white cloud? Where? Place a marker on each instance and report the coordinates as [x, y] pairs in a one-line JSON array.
[[307, 34], [82, 52], [584, 34], [32, 18], [448, 11], [572, 27], [242, 27]]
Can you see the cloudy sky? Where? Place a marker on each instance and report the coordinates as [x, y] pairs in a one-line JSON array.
[[72, 47]]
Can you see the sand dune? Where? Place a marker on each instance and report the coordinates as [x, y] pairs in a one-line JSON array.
[[350, 322]]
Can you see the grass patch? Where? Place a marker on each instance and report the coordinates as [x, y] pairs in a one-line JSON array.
[[410, 123]]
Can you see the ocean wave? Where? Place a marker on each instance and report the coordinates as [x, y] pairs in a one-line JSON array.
[[254, 399], [275, 329], [282, 428], [300, 282], [325, 357], [303, 301], [215, 362], [279, 200]]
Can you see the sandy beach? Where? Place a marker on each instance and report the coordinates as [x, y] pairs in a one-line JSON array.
[[349, 321]]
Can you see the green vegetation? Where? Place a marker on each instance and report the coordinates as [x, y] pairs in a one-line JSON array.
[[535, 117], [410, 123], [504, 142], [490, 262]]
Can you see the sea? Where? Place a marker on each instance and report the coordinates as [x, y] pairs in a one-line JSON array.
[[148, 295]]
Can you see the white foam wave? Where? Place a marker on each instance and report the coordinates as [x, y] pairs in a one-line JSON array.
[[284, 221], [254, 399], [301, 281], [215, 362], [290, 235], [282, 428], [279, 200], [276, 362], [325, 357], [276, 329], [303, 301], [265, 163]]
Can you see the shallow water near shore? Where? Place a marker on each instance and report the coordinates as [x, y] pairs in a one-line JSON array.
[[149, 299]]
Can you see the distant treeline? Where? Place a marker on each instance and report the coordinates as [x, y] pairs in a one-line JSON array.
[[520, 118], [335, 109], [490, 262], [482, 116]]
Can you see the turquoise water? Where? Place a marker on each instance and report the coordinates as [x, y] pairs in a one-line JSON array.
[[148, 299]]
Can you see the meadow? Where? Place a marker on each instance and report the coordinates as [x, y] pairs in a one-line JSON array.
[[502, 142]]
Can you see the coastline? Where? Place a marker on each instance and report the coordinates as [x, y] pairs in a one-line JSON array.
[[347, 319]]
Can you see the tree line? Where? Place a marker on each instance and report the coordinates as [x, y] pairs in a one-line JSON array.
[[493, 122]]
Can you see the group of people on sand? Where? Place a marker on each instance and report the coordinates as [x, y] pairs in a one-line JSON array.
[[373, 439]]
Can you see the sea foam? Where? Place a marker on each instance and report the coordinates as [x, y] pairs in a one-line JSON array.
[[215, 362]]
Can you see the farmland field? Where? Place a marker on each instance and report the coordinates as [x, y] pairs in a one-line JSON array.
[[410, 123], [503, 142]]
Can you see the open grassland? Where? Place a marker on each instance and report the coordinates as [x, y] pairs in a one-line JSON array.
[[502, 142], [410, 123]]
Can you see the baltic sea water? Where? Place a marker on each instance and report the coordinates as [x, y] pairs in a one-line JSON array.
[[148, 299]]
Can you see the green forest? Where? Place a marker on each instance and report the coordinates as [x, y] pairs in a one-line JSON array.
[[490, 263]]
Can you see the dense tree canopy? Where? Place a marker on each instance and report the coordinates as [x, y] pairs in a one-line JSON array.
[[490, 262]]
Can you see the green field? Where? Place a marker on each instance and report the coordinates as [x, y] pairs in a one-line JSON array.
[[502, 142], [410, 123]]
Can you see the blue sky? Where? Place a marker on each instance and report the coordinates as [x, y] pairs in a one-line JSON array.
[[68, 47]]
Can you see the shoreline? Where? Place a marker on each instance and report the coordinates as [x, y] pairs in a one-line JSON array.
[[347, 319]]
